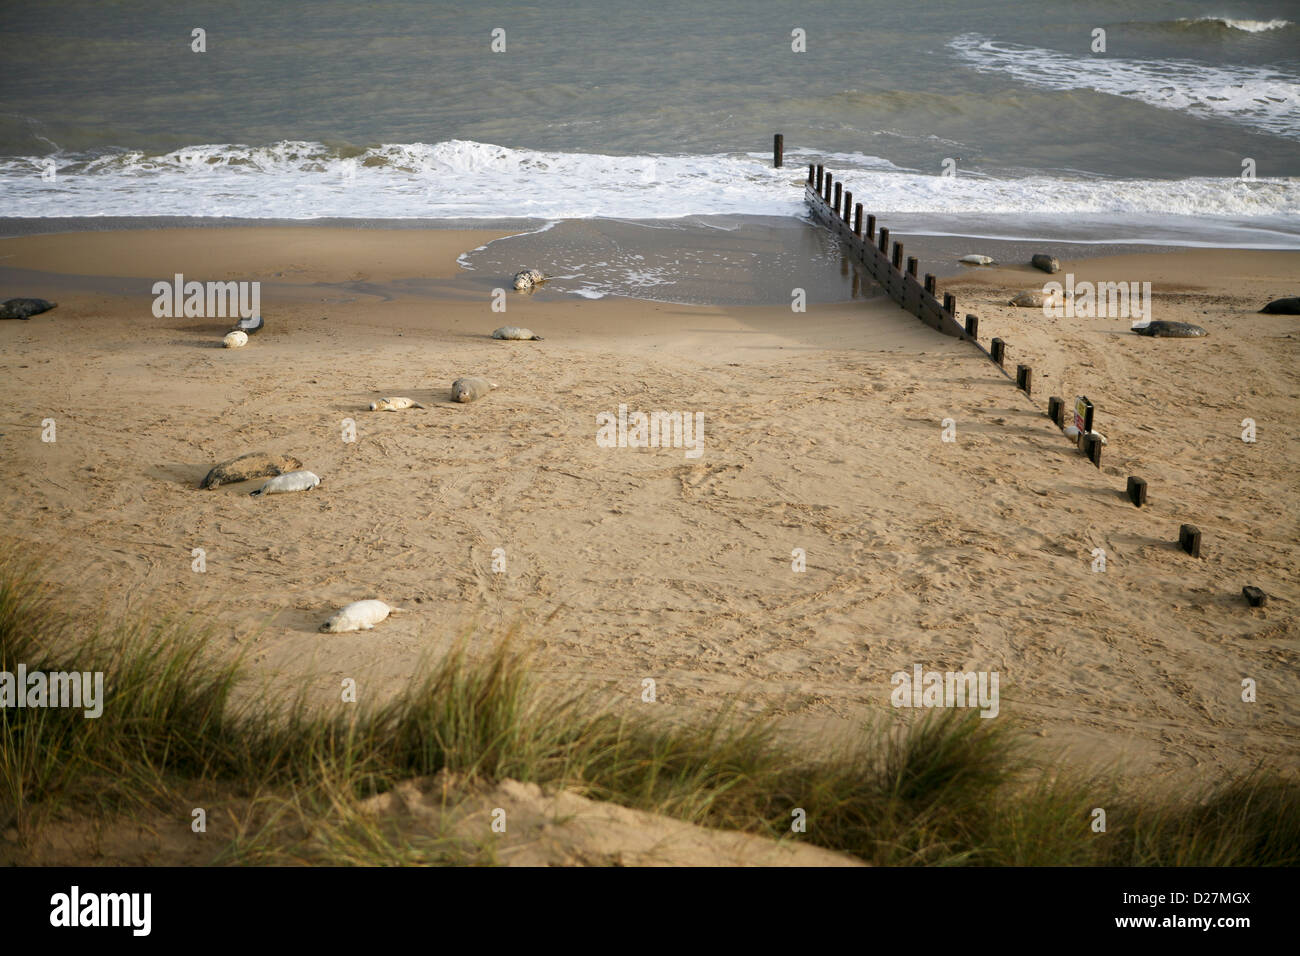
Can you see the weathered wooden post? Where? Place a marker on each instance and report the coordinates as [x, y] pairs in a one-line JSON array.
[[1137, 490], [857, 220], [1255, 596], [1189, 539], [778, 151], [1024, 378], [972, 324], [912, 263], [821, 172], [884, 240], [1056, 412], [826, 187], [812, 173], [998, 350], [870, 234], [839, 193], [848, 205], [1092, 448], [898, 256], [929, 282], [950, 304]]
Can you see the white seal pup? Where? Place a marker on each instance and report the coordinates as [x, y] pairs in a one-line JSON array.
[[514, 333], [525, 279], [395, 404], [235, 339], [974, 260], [1072, 433], [289, 481], [358, 616], [470, 389]]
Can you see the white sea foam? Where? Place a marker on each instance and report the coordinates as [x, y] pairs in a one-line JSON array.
[[1247, 26], [462, 179], [1264, 98]]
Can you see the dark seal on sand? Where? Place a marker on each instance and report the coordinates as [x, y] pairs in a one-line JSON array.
[[1046, 263], [1289, 306], [257, 464], [1170, 330], [24, 308]]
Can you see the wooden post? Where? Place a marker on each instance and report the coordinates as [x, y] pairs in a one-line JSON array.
[[1092, 448], [812, 174], [870, 235], [829, 180], [1024, 378], [1137, 490], [950, 305], [778, 151], [821, 172], [839, 193], [848, 205], [1189, 539], [884, 240], [1255, 596], [911, 266], [898, 256], [1056, 411], [972, 325], [998, 350], [929, 282], [857, 220]]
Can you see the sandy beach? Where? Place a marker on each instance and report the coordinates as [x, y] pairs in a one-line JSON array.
[[823, 431]]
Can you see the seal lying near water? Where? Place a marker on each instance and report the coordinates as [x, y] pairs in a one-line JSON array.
[[289, 481], [235, 339], [1289, 306], [525, 279], [24, 308], [1169, 330], [977, 260], [395, 404], [515, 334], [470, 389], [1045, 262], [256, 464], [358, 616]]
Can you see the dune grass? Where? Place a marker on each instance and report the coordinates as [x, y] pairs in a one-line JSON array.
[[949, 789]]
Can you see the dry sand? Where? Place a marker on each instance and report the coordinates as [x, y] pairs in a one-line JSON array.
[[822, 432]]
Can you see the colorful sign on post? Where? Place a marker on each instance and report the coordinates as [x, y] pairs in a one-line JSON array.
[[1083, 415]]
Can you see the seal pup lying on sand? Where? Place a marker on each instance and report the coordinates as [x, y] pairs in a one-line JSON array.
[[1289, 306], [256, 464], [1072, 433], [525, 279], [235, 339], [470, 389], [24, 308], [1045, 262], [1169, 330], [975, 260], [515, 334], [289, 481], [1036, 300], [358, 616], [394, 404]]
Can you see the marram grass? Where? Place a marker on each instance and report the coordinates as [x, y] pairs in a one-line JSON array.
[[950, 789]]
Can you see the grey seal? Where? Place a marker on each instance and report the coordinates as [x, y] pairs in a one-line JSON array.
[[24, 308], [1045, 262], [525, 279], [256, 464], [1289, 306], [289, 481], [1169, 330], [470, 389], [515, 334]]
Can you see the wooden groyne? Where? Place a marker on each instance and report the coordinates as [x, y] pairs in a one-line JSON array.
[[835, 209]]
